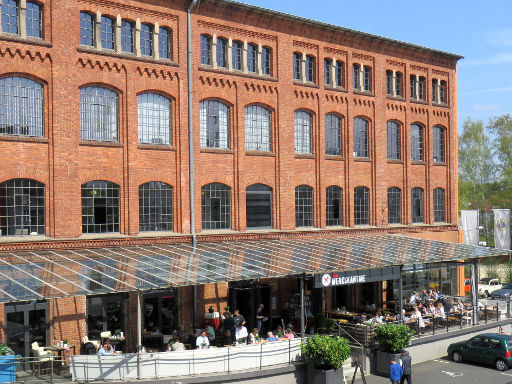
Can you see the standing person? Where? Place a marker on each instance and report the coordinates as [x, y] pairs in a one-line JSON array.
[[259, 318], [229, 326], [286, 316], [406, 360], [238, 318], [425, 298], [395, 372]]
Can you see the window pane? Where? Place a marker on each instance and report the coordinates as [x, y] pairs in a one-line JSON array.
[[356, 68], [206, 47], [22, 208], [21, 107], [146, 40], [155, 207], [154, 115], [127, 36], [297, 66], [340, 73], [303, 131], [398, 83], [393, 140], [265, 60], [33, 18], [222, 52], [237, 55], [361, 206], [327, 71], [332, 135], [257, 128], [334, 206], [389, 82], [394, 205], [107, 33], [439, 216], [259, 206], [86, 29], [164, 43], [214, 122], [310, 69], [100, 207], [367, 78], [98, 114], [416, 142], [417, 205], [303, 206], [216, 206], [360, 137], [439, 144], [252, 51]]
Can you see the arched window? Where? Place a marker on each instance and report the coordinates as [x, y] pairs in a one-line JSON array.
[[303, 132], [394, 141], [361, 128], [257, 128], [206, 50], [222, 52], [100, 207], [394, 205], [334, 206], [416, 142], [361, 206], [108, 33], [303, 206], [417, 205], [258, 206], [155, 207], [236, 55], [164, 43], [10, 16], [33, 20], [127, 36], [439, 151], [154, 115], [216, 206], [332, 135], [87, 29], [439, 206], [22, 208], [146, 40], [21, 107], [214, 121], [98, 114]]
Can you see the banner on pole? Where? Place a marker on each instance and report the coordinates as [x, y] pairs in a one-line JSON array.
[[469, 224], [501, 228]]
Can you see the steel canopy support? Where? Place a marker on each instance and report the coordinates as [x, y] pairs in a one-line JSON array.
[[302, 312], [400, 292], [474, 289]]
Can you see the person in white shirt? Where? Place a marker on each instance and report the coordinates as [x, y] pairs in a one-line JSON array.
[[241, 334], [202, 341], [417, 316], [414, 297]]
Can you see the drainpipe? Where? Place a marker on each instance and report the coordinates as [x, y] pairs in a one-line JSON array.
[[190, 125]]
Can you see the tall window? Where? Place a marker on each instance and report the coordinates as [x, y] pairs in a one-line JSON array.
[[100, 207], [303, 206], [416, 142], [327, 71], [10, 16], [236, 55], [216, 206], [361, 128], [22, 208], [393, 140], [303, 132], [394, 83], [297, 66], [367, 78], [356, 80], [334, 205], [155, 207], [107, 32], [146, 40], [439, 216], [439, 144], [154, 115], [98, 114], [339, 74], [398, 83], [442, 92], [394, 205], [164, 43], [310, 68], [127, 36], [222, 52], [389, 83], [206, 50], [417, 87], [258, 206], [252, 54], [214, 121], [33, 18], [21, 107], [86, 29], [332, 135], [417, 205], [266, 57], [257, 128], [361, 206]]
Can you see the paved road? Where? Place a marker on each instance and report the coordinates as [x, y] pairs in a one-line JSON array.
[[444, 371]]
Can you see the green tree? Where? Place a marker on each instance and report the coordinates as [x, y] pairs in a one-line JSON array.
[[501, 128]]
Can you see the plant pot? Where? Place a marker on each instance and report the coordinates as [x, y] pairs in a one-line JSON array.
[[382, 362], [320, 376]]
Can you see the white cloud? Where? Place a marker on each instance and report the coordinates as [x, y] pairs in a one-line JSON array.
[[501, 58], [499, 37]]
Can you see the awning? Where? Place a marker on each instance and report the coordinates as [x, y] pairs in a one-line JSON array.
[[30, 275]]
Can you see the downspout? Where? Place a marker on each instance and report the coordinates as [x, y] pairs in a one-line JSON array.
[[190, 125]]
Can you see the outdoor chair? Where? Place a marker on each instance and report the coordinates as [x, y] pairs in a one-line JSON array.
[[42, 360], [96, 343]]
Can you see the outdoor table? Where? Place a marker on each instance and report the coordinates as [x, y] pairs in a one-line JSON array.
[[346, 315], [61, 355]]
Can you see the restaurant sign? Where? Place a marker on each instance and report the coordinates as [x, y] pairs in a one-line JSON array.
[[334, 279]]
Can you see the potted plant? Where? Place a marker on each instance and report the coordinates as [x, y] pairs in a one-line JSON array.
[[392, 338], [65, 343], [211, 309], [325, 356]]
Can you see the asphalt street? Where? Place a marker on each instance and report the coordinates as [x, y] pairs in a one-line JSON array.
[[441, 371]]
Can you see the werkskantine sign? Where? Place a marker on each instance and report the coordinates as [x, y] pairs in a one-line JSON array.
[[334, 279], [502, 228]]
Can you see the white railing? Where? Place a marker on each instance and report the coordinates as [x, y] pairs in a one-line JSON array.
[[184, 363]]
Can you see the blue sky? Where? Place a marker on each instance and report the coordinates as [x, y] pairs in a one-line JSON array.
[[479, 31]]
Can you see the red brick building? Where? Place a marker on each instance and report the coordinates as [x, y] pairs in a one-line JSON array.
[[299, 127]]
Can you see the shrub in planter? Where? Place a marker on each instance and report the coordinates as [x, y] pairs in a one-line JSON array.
[[392, 338]]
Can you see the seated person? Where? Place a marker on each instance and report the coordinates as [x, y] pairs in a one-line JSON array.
[[279, 331], [177, 345], [460, 306], [106, 348], [210, 332], [378, 319], [254, 337], [151, 328], [431, 311], [228, 338], [288, 334], [360, 319], [440, 311], [202, 341], [241, 334], [414, 297], [271, 337], [400, 317]]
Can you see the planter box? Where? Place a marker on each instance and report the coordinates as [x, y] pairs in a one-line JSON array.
[[319, 376], [7, 369], [212, 315], [382, 362]]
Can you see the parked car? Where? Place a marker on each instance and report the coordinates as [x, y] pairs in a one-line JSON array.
[[488, 348], [486, 286], [503, 294]]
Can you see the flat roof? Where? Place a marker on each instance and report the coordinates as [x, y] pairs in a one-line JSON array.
[[338, 28], [30, 275]]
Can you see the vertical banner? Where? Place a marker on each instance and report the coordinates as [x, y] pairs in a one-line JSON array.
[[502, 228], [469, 224]]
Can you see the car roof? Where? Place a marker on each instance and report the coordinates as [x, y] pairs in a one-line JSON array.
[[497, 335]]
